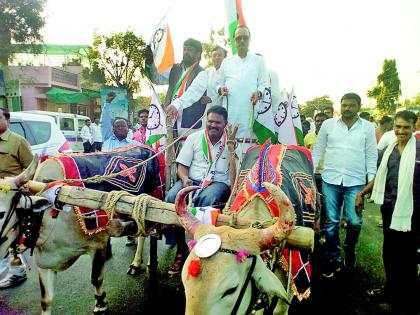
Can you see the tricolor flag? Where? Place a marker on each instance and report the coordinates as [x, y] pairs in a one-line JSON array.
[[206, 215], [156, 124], [296, 118], [264, 126], [162, 48], [234, 17], [283, 120]]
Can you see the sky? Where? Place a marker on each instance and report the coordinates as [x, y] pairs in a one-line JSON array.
[[323, 47]]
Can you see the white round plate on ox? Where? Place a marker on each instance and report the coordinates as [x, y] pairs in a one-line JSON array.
[[207, 245]]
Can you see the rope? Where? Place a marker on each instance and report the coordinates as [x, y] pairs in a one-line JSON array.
[[140, 205], [139, 213], [111, 200], [100, 178]]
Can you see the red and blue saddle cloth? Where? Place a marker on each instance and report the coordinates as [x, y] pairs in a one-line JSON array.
[[147, 178], [291, 168]]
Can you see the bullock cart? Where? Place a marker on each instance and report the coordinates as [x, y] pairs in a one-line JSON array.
[[157, 211]]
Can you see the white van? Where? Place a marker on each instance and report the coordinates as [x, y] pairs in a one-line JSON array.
[[41, 132], [69, 124]]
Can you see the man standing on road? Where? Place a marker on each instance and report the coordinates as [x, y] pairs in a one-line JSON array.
[[96, 135], [115, 135], [396, 188], [15, 157], [350, 153], [243, 79], [86, 135]]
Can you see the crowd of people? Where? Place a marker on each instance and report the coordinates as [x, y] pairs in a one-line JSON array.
[[344, 149]]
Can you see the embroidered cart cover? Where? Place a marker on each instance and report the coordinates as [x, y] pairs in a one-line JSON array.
[[147, 178], [289, 167]]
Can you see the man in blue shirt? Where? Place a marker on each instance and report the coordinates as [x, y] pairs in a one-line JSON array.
[[349, 146], [114, 134]]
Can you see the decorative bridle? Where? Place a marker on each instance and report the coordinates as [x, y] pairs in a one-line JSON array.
[[13, 207], [247, 280]]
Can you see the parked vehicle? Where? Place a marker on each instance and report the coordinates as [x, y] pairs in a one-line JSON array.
[[41, 132], [69, 124]]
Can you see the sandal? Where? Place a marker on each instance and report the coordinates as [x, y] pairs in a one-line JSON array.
[[176, 266]]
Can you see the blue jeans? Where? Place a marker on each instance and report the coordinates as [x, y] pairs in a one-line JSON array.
[[213, 195], [335, 196]]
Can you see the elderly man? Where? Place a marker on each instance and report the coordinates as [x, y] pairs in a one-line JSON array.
[[218, 54], [15, 156], [187, 85], [243, 79], [396, 188], [203, 161], [114, 134], [350, 153]]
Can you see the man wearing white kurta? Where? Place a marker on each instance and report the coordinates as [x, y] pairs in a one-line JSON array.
[[243, 78], [218, 54]]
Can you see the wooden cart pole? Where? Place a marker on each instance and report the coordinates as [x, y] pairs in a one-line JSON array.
[[163, 212]]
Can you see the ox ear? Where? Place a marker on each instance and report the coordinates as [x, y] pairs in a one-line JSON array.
[[267, 281], [27, 174]]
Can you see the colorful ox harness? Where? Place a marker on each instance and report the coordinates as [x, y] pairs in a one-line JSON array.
[[290, 168]]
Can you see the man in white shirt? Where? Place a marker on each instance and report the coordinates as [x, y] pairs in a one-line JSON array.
[[96, 135], [203, 161], [187, 85], [218, 54], [243, 79], [350, 150], [86, 135]]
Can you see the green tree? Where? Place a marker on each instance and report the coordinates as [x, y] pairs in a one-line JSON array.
[[388, 88], [93, 77], [217, 38], [121, 57], [317, 104], [20, 22]]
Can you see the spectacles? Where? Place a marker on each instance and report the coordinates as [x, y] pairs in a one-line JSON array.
[[241, 38]]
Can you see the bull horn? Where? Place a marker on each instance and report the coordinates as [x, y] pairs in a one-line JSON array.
[[275, 234], [187, 220], [27, 174]]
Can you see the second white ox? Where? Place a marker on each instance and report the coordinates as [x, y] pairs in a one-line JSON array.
[[224, 285]]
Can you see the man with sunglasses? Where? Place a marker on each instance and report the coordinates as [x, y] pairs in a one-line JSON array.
[[243, 78]]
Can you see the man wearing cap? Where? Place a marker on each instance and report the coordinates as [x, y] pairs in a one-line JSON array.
[[243, 79], [187, 85]]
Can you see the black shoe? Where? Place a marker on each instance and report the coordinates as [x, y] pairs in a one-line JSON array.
[[331, 268], [350, 260]]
